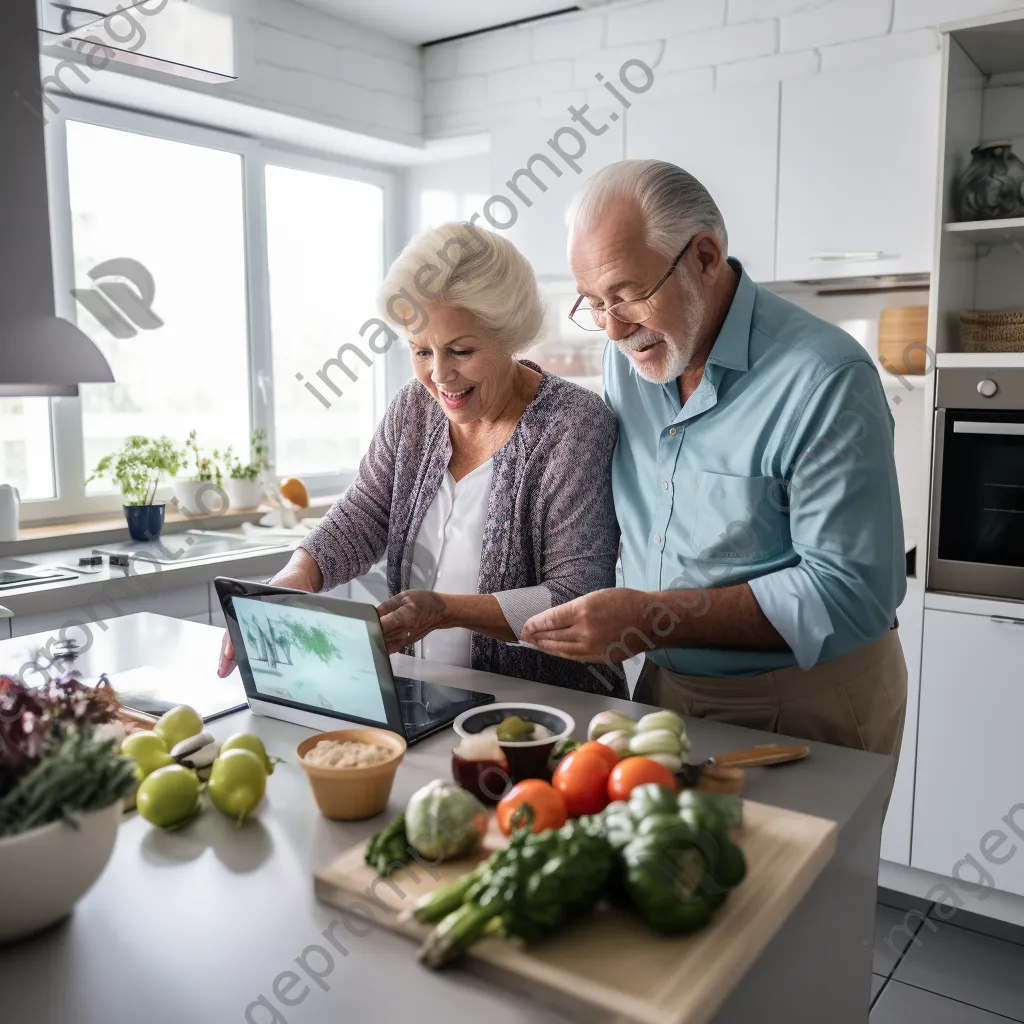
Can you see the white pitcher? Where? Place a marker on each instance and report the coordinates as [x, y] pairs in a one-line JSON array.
[[10, 512]]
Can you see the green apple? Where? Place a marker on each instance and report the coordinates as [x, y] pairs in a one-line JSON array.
[[237, 783], [148, 751], [169, 797], [247, 741], [178, 724]]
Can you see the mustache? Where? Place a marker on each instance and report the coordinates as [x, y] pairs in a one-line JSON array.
[[638, 340]]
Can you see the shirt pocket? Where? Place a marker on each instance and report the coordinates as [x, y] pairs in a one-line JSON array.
[[736, 520]]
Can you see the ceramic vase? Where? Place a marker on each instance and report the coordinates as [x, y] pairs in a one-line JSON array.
[[992, 186]]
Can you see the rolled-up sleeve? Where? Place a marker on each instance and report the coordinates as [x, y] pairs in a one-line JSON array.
[[845, 522], [519, 605]]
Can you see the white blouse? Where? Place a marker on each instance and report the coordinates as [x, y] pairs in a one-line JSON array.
[[446, 554]]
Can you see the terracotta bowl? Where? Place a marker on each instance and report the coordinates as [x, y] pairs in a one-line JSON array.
[[347, 794]]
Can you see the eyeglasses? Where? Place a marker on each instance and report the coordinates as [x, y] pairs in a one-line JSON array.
[[632, 311]]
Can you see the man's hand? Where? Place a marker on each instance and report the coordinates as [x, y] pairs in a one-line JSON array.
[[410, 616], [602, 626]]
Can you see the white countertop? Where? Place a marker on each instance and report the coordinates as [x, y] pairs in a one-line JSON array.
[[112, 582]]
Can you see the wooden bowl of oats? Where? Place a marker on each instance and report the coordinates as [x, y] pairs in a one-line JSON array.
[[351, 771]]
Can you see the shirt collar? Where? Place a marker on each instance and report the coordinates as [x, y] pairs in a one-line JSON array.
[[732, 346]]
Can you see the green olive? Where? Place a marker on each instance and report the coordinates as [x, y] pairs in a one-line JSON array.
[[148, 752], [515, 730], [247, 741], [237, 783], [169, 798]]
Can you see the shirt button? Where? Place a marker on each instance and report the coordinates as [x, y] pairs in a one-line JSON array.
[[672, 431], [657, 538], [664, 485]]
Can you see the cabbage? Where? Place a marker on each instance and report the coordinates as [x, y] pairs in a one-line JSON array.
[[443, 821]]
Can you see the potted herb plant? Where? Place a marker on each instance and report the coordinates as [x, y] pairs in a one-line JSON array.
[[62, 784], [138, 469], [194, 494], [244, 484]]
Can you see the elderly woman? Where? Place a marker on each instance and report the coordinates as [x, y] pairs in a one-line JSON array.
[[487, 482]]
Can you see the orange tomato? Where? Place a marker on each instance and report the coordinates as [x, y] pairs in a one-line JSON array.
[[635, 771], [609, 755], [582, 779], [548, 805]]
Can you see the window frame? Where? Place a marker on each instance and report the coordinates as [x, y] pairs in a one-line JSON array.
[[70, 472]]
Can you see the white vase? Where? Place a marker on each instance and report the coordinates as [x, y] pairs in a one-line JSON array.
[[199, 498], [243, 494], [54, 866]]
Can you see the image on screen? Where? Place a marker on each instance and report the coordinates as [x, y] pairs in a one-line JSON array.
[[310, 657]]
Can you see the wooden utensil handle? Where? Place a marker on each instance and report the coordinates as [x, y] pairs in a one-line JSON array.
[[765, 753], [720, 779]]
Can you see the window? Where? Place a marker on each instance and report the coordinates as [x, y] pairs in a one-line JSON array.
[[206, 308], [176, 211], [325, 238], [26, 459]]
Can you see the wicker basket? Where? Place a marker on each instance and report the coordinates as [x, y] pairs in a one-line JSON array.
[[992, 332]]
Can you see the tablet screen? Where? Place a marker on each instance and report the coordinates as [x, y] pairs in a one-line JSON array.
[[310, 657]]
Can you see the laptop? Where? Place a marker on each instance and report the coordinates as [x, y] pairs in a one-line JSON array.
[[322, 662]]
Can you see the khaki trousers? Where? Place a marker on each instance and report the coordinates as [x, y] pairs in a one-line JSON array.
[[858, 700]]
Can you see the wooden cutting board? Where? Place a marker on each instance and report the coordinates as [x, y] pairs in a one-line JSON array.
[[610, 966]]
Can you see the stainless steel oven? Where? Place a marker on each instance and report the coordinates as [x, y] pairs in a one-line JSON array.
[[977, 508]]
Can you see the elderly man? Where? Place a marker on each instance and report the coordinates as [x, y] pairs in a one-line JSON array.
[[754, 481]]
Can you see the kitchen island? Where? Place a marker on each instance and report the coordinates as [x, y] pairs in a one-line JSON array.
[[217, 924]]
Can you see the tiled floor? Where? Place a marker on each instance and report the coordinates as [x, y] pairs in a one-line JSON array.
[[936, 968]]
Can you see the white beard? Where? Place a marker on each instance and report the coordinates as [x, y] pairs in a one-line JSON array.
[[678, 353]]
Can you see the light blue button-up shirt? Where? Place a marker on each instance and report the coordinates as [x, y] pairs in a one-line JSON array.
[[778, 472]]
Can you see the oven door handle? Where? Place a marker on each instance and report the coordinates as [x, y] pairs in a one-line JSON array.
[[980, 427], [1007, 620]]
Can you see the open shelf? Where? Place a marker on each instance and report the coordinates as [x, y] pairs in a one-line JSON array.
[[979, 360], [989, 232]]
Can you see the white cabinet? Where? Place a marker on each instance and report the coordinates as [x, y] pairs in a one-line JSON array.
[[729, 141], [899, 817], [179, 603], [970, 760], [857, 171], [539, 230]]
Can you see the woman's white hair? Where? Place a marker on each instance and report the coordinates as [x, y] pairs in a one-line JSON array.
[[459, 264], [674, 204]]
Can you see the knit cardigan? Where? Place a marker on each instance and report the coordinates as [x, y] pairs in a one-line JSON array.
[[550, 517]]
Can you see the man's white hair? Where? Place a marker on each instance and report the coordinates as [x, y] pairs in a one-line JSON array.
[[674, 204]]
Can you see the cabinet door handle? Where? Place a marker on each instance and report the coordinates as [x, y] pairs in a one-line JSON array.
[[850, 257], [1008, 620]]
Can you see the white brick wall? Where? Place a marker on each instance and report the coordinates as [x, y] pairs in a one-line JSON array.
[[694, 46]]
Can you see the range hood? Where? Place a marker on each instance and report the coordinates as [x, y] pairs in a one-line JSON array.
[[40, 354]]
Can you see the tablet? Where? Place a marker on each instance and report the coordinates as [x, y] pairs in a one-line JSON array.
[[314, 660]]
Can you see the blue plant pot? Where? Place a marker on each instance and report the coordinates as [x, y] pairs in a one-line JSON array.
[[144, 521]]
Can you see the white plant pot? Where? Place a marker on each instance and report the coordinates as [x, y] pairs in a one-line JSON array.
[[243, 493], [199, 497], [53, 866]]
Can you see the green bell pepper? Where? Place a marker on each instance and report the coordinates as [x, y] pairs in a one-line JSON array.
[[663, 882], [651, 798]]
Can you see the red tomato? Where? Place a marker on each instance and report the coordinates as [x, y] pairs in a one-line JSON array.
[[635, 771], [582, 779], [548, 805], [609, 755]]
